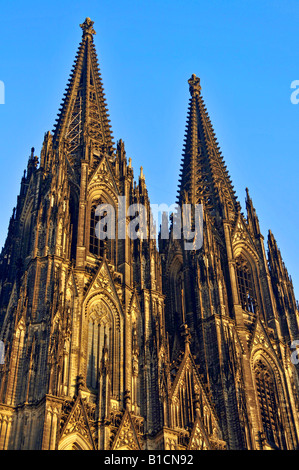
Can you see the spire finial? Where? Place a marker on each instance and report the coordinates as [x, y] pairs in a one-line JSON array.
[[194, 85], [87, 27]]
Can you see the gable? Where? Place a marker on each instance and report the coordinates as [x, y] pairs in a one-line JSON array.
[[260, 339], [242, 238], [126, 437], [102, 180], [77, 423], [103, 281], [204, 408], [198, 439]]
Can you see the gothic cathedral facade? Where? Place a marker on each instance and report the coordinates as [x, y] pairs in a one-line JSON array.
[[140, 344]]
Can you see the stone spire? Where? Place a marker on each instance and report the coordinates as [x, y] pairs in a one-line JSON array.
[[83, 117], [204, 178]]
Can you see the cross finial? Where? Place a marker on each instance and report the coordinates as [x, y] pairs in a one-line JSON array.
[[194, 85], [87, 27]]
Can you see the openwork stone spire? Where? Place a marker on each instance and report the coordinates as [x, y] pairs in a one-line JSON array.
[[204, 178], [83, 118]]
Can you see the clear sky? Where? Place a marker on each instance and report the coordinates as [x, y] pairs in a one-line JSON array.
[[246, 54]]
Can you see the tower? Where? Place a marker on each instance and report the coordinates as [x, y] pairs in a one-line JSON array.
[[239, 305], [112, 342], [81, 316]]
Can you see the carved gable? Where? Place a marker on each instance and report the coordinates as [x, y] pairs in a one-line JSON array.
[[77, 421], [198, 439], [260, 338], [186, 375], [126, 437], [103, 177], [241, 236], [103, 281]]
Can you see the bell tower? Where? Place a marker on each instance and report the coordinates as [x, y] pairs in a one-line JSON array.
[[230, 297], [82, 315]]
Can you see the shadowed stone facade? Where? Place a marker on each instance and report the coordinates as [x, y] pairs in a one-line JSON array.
[[123, 344]]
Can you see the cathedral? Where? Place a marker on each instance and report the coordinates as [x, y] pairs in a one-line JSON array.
[[137, 343]]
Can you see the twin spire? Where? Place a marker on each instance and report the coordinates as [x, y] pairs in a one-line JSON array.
[[83, 122], [83, 117], [204, 178]]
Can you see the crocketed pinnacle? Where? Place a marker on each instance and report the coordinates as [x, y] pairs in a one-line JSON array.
[[276, 264]]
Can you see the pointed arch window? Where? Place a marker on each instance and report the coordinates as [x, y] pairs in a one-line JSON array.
[[97, 246], [16, 362], [177, 291], [73, 207], [28, 235], [98, 344], [179, 294], [183, 410], [103, 372], [269, 404], [246, 285]]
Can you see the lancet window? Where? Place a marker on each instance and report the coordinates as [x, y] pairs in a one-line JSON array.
[[269, 404], [246, 285]]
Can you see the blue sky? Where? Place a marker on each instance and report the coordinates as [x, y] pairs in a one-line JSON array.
[[246, 54]]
